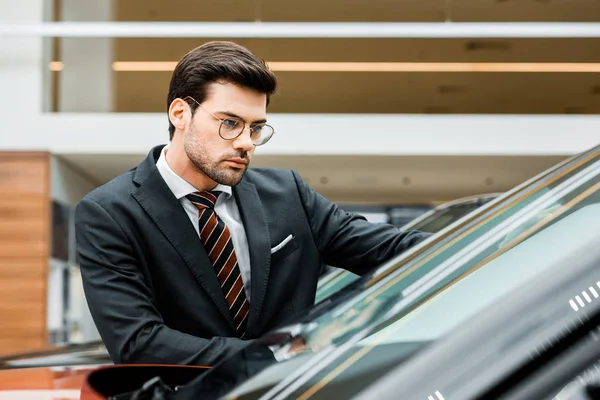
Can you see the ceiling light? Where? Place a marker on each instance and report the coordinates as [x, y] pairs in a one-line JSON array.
[[144, 66], [57, 66]]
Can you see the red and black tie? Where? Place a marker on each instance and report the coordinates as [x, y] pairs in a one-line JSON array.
[[216, 238]]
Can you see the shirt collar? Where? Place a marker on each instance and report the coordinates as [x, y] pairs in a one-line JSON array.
[[179, 186]]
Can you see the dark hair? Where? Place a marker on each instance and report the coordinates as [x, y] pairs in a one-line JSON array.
[[218, 61]]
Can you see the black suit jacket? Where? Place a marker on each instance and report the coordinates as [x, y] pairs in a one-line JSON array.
[[151, 288]]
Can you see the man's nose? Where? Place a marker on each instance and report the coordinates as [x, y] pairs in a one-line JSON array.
[[244, 141]]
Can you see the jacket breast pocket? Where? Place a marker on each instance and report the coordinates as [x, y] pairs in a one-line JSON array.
[[283, 249]]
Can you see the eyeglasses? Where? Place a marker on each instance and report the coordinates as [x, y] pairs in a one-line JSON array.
[[232, 127]]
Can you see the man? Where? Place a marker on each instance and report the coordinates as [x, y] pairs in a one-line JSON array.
[[189, 254]]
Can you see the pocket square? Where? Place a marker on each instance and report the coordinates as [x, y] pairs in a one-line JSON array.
[[283, 243]]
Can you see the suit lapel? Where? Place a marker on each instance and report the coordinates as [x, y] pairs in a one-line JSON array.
[[259, 244], [155, 197]]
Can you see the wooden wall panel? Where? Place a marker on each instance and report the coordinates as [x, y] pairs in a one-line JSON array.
[[24, 250]]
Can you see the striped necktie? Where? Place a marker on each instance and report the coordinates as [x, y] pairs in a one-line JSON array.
[[216, 238]]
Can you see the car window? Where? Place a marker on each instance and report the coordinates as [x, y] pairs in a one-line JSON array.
[[441, 219], [339, 280]]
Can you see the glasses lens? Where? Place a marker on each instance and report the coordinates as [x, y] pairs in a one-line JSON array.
[[261, 134], [231, 128]]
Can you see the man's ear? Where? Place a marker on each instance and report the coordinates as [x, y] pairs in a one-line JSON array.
[[179, 114]]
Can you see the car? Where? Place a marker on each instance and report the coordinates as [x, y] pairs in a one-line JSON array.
[[432, 221], [78, 354], [397, 311]]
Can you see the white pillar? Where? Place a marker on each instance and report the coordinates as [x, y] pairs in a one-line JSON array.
[[86, 80]]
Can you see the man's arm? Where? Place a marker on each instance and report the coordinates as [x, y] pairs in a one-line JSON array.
[[349, 241], [122, 304]]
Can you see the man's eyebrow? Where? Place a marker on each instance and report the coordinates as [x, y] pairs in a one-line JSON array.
[[230, 114]]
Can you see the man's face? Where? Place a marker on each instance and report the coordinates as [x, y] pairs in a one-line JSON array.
[[223, 161]]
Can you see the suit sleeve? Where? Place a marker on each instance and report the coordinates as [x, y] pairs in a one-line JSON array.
[[122, 304], [347, 240]]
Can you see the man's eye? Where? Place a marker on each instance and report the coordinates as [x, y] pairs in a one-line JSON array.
[[231, 123], [258, 128]]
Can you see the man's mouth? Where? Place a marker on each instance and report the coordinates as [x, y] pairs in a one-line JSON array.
[[240, 162]]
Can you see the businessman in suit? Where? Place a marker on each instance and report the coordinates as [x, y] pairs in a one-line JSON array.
[[190, 254]]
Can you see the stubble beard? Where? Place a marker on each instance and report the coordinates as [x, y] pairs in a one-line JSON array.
[[202, 162]]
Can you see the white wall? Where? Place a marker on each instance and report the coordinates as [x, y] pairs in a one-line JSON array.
[[321, 134]]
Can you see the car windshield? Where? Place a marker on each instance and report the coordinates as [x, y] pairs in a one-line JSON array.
[[397, 312], [434, 221]]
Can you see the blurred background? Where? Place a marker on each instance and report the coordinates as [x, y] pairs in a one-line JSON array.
[[418, 103]]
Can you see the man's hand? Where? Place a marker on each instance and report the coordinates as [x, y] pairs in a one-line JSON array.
[[298, 345]]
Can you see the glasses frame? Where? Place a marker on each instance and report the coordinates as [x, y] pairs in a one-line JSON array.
[[223, 120]]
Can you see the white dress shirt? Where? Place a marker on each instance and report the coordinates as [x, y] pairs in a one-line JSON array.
[[226, 208]]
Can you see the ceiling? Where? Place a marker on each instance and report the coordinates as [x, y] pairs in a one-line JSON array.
[[377, 92], [369, 179], [358, 10]]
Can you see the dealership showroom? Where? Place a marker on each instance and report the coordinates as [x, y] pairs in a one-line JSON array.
[[280, 199]]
